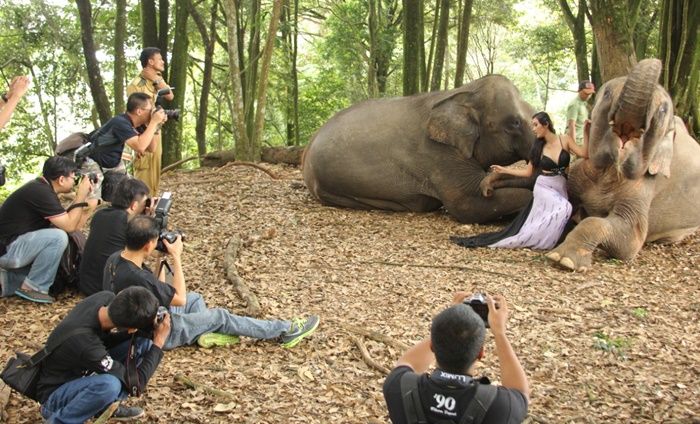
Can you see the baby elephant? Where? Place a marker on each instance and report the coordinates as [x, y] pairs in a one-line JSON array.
[[641, 181]]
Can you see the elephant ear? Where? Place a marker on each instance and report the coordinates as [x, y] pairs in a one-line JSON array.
[[660, 153], [454, 122]]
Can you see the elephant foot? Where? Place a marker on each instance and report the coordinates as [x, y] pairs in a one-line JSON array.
[[570, 258]]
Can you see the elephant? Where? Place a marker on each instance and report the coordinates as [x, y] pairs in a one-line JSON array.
[[423, 152], [641, 180]]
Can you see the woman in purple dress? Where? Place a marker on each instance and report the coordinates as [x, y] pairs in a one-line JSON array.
[[541, 223]]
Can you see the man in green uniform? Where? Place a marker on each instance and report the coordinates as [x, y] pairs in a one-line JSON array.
[[577, 111]]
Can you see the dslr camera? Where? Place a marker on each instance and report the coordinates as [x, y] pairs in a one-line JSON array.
[[92, 176], [160, 315], [173, 114], [478, 303], [161, 216]]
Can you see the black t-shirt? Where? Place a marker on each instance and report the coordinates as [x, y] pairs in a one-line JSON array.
[[121, 273], [109, 140], [28, 209], [86, 353], [107, 235], [509, 406]]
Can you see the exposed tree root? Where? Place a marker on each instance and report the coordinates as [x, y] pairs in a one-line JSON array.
[[232, 247], [368, 359], [197, 386], [107, 414]]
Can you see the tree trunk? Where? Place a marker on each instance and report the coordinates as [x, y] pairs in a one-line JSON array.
[[577, 26], [251, 67], [209, 42], [411, 46], [440, 45], [97, 88], [289, 37], [149, 24], [679, 51], [612, 21], [163, 33], [595, 66], [172, 137], [463, 42], [431, 51], [119, 60], [423, 74], [372, 89], [237, 110], [263, 82]]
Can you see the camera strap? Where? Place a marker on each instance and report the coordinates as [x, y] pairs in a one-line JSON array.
[[445, 378], [132, 373], [164, 263]]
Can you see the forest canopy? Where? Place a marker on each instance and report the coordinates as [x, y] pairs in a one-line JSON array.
[[254, 73]]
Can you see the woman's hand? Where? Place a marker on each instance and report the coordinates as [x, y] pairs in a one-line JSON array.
[[498, 169]]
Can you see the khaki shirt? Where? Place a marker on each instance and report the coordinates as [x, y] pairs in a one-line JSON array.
[[577, 111], [142, 85]]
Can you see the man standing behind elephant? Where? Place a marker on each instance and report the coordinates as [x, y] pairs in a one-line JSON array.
[[147, 165], [577, 111]]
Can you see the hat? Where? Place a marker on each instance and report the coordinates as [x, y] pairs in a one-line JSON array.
[[584, 84]]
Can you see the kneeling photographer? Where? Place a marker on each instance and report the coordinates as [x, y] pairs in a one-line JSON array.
[[135, 128], [450, 393], [192, 321]]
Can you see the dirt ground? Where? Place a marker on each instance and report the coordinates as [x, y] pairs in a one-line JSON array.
[[620, 343]]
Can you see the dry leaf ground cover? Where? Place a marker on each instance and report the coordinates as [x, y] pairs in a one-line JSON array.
[[618, 344]]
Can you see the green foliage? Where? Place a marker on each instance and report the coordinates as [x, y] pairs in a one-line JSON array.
[[640, 312], [616, 345]]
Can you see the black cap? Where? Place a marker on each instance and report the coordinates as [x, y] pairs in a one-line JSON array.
[[584, 84]]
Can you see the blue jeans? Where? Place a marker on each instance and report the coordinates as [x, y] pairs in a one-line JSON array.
[[81, 399], [33, 258], [194, 319]]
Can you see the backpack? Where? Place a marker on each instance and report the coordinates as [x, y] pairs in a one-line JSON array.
[[70, 144], [69, 268], [413, 407]]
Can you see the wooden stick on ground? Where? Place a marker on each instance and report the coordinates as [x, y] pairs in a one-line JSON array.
[[375, 335], [197, 386], [252, 165], [368, 359], [230, 255], [438, 266], [178, 163], [4, 399], [107, 414]]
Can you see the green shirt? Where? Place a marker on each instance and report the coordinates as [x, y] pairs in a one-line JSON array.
[[577, 111]]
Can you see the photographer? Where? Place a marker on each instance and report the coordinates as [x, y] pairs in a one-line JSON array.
[[9, 100], [108, 232], [31, 247], [89, 371], [450, 392], [135, 128], [192, 321], [147, 165]]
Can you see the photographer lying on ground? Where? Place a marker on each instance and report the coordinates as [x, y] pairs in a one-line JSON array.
[[450, 392], [89, 370], [135, 128], [192, 321], [108, 232], [8, 101], [30, 245]]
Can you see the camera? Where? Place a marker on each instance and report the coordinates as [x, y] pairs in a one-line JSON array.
[[173, 114], [82, 153], [478, 303], [161, 216], [160, 315], [92, 176]]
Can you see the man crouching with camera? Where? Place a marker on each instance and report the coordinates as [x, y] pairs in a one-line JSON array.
[[451, 392], [94, 366]]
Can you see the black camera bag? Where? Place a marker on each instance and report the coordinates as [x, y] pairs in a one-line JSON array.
[[22, 372]]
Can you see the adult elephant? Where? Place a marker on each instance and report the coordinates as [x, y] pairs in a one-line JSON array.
[[640, 183], [422, 152]]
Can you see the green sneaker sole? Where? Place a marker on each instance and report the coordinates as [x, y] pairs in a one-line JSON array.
[[210, 340]]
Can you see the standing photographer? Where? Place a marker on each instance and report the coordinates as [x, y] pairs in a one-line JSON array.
[[9, 100], [147, 165], [451, 392], [90, 369], [136, 128], [33, 227]]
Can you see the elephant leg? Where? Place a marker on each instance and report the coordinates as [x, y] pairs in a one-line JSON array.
[[476, 209], [619, 237]]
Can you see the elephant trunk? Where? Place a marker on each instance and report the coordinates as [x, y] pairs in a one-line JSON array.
[[629, 118]]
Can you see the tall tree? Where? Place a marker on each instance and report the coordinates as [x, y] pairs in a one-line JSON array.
[[440, 45], [373, 27], [119, 59], [163, 36], [612, 22], [577, 26], [97, 88], [411, 46], [149, 23], [679, 51], [463, 40], [250, 70], [290, 39], [172, 138]]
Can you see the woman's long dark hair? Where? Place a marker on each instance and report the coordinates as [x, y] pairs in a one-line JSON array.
[[536, 151]]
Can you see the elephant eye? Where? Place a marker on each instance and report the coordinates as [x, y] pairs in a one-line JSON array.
[[515, 124]]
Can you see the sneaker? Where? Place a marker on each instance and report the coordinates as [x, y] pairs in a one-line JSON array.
[[34, 295], [209, 340], [127, 413], [300, 329]]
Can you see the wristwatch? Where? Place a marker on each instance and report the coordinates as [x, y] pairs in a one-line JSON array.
[[4, 98]]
